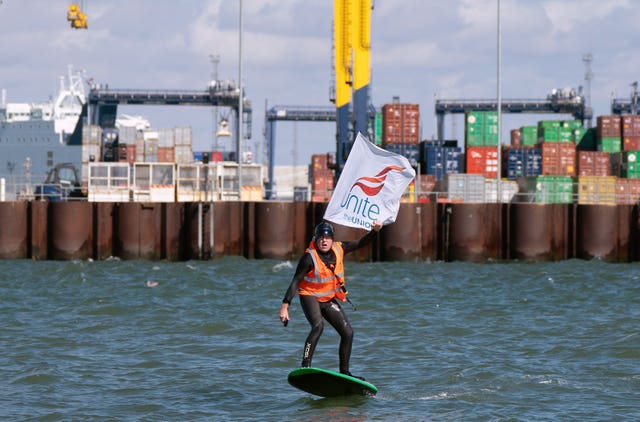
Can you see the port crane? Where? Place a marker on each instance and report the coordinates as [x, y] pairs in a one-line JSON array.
[[353, 111], [559, 101], [76, 17], [626, 106]]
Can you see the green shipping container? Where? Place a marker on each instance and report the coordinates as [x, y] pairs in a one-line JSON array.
[[631, 164], [529, 135], [609, 144], [554, 189], [378, 129], [481, 128]]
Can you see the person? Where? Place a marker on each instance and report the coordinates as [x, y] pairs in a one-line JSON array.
[[319, 281]]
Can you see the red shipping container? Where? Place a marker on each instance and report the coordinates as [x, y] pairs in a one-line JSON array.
[[631, 143], [594, 163], [558, 159], [166, 154], [516, 137], [482, 160], [322, 188], [400, 124], [630, 125], [319, 161], [627, 191], [608, 127]]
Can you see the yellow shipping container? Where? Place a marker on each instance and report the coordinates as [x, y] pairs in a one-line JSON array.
[[599, 190]]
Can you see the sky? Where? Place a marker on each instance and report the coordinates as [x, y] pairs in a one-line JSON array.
[[420, 50]]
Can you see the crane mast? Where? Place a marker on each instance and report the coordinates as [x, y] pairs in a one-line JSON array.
[[352, 46]]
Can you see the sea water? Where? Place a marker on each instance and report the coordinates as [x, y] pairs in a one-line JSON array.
[[201, 340]]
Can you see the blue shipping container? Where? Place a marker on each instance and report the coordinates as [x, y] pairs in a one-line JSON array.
[[410, 151], [523, 162], [440, 160]]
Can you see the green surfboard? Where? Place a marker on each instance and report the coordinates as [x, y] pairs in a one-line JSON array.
[[325, 383]]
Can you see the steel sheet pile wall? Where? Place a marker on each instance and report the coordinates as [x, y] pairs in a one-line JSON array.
[[477, 232]]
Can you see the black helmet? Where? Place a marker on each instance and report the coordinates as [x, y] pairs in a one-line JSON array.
[[323, 229]]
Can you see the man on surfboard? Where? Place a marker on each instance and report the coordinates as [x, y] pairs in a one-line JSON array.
[[319, 281]]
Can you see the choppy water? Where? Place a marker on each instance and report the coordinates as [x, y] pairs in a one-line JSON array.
[[442, 341]]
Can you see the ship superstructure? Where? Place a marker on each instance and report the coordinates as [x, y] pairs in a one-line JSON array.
[[34, 137]]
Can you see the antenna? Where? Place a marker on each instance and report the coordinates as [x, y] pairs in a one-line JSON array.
[[588, 76]]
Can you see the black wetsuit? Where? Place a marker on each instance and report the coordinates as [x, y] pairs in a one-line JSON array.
[[331, 310]]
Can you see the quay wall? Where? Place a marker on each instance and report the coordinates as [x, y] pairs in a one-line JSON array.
[[475, 232]]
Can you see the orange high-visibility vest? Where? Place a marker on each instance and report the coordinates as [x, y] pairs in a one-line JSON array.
[[321, 281]]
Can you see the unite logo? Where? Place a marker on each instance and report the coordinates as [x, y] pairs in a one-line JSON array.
[[361, 206]]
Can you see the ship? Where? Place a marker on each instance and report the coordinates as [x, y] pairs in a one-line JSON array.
[[35, 137]]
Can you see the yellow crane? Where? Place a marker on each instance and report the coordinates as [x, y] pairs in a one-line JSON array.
[[76, 17]]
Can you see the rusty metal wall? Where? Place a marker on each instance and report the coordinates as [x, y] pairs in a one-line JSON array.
[[275, 234], [600, 234], [539, 232], [474, 232], [39, 224], [282, 230], [103, 230], [174, 244], [70, 230], [14, 233], [413, 236], [138, 231]]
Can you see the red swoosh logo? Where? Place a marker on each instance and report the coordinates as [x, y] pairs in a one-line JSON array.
[[371, 186]]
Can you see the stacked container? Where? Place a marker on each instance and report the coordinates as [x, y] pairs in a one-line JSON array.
[[482, 160], [609, 134], [400, 123], [127, 139], [597, 190], [521, 161], [593, 163], [481, 128], [438, 158], [183, 139], [166, 146], [631, 132], [321, 177]]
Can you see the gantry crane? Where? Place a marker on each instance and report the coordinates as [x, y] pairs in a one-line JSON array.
[[76, 17], [352, 55]]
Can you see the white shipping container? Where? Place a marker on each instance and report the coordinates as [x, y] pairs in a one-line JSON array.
[[91, 135], [508, 189], [183, 135], [183, 154], [90, 150], [127, 135], [466, 187], [166, 138]]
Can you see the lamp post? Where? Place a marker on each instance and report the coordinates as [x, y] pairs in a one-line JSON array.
[[240, 105]]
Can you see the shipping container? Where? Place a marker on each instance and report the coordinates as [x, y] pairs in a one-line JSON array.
[[521, 161], [594, 163], [554, 189], [627, 191], [410, 151], [482, 160], [400, 124], [183, 135], [438, 160], [599, 190], [515, 136], [481, 128], [528, 135], [608, 127], [465, 187], [558, 159], [508, 190], [626, 164]]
